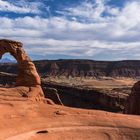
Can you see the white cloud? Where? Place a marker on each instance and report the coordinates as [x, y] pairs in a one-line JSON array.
[[87, 10], [104, 37], [20, 7]]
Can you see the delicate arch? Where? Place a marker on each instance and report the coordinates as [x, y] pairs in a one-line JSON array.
[[27, 75]]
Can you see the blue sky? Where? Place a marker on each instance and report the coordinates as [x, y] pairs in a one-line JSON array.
[[73, 29]]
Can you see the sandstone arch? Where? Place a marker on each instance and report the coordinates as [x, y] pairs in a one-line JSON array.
[[27, 75]]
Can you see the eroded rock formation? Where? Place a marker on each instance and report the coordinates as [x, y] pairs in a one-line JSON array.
[[27, 74], [133, 102]]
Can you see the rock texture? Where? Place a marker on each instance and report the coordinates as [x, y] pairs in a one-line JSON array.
[[32, 121], [133, 102], [27, 74]]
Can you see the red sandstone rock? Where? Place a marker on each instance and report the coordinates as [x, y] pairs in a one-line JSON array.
[[27, 75]]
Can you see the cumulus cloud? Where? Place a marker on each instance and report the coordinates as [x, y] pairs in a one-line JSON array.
[[87, 10], [108, 33], [18, 7]]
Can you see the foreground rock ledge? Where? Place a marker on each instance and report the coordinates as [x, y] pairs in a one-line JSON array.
[[28, 80]]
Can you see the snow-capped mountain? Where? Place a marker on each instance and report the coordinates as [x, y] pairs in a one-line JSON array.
[[7, 60]]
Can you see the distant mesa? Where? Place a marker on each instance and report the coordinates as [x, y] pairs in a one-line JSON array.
[[83, 68]]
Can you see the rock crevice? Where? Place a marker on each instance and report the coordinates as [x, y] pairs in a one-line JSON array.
[[133, 101]]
